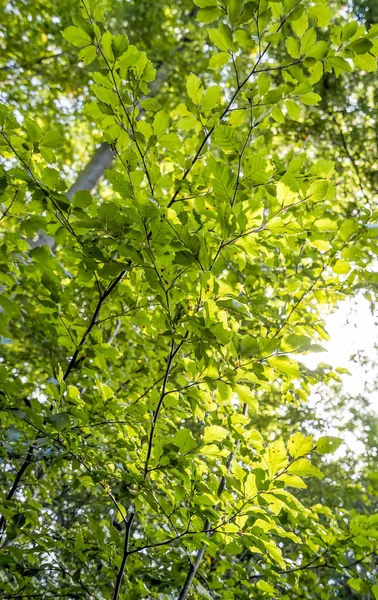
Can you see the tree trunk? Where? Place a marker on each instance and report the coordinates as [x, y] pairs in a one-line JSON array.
[[102, 159], [89, 177]]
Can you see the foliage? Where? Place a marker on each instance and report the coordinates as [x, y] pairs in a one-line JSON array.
[[150, 353]]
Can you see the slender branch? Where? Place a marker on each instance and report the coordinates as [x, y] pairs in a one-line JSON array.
[[350, 156], [325, 564], [59, 213], [167, 542], [191, 574], [39, 60], [17, 479], [92, 323], [104, 155], [171, 356], [59, 442], [116, 89], [9, 206], [126, 554], [227, 108], [69, 369]]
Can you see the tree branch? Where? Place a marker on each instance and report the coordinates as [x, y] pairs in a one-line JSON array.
[[92, 323], [171, 356], [126, 553], [19, 474], [102, 159], [226, 110]]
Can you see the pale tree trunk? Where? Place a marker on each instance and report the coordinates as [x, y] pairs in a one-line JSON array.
[[89, 177], [102, 159]]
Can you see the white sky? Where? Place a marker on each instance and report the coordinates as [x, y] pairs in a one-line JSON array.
[[352, 328]]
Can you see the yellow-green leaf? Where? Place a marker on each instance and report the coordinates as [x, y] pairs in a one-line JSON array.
[[300, 445], [214, 433], [304, 468]]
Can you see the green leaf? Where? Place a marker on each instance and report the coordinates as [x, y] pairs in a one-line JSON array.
[[264, 586], [361, 46], [221, 38], [170, 141], [128, 58], [73, 392], [275, 457], [341, 267], [52, 139], [106, 44], [292, 46], [214, 433], [105, 391], [327, 444], [61, 421], [81, 199], [204, 500], [88, 54], [293, 109], [285, 365], [217, 61], [300, 445], [299, 26], [205, 3], [339, 65], [304, 468], [278, 115], [250, 487], [321, 13], [208, 15], [296, 343], [319, 50], [120, 44], [349, 30], [347, 229], [4, 113], [258, 169], [185, 440], [194, 88], [211, 97], [105, 94], [76, 36], [247, 396], [311, 98], [119, 182], [323, 168], [317, 191], [33, 130], [226, 138], [308, 41], [234, 9], [366, 62], [161, 123]]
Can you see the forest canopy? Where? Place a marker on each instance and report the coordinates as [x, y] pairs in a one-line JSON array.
[[187, 189]]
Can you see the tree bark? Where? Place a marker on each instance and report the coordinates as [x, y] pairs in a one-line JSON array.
[[102, 159], [191, 574], [89, 177]]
